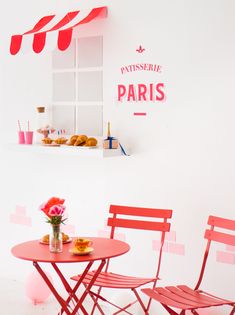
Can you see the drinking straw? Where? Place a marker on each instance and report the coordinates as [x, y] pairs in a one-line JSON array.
[[19, 125], [28, 125]]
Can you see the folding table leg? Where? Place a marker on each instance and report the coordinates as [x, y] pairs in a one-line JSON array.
[[53, 290], [68, 288], [89, 286]]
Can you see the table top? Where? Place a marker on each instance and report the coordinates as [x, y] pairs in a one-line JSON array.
[[103, 248]]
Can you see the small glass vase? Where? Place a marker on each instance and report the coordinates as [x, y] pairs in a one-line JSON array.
[[56, 241]]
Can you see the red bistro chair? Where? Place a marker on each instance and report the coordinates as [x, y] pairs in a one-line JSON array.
[[122, 217], [186, 299]]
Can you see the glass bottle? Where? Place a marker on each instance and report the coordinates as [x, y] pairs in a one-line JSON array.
[[56, 241], [42, 122]]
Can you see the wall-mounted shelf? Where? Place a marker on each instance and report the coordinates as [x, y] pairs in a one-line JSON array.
[[97, 152]]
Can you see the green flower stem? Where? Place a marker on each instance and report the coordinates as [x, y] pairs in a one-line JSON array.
[[56, 231]]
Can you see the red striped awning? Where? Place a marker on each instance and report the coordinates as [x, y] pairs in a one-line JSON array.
[[64, 26]]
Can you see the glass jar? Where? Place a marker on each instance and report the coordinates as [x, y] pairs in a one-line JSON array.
[[43, 122], [56, 240]]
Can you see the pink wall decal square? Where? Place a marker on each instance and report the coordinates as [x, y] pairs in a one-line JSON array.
[[20, 219], [106, 233], [19, 216], [177, 249], [171, 236], [20, 210], [157, 244], [224, 257], [103, 233], [230, 248]]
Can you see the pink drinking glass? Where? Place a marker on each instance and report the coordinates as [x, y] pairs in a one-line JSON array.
[[21, 138], [28, 137]]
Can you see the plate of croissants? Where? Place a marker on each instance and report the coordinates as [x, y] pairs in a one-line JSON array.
[[45, 239], [81, 141]]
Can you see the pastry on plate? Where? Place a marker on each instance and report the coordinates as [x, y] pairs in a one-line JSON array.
[[45, 238], [91, 142], [47, 140], [61, 140], [72, 140], [81, 139], [65, 237]]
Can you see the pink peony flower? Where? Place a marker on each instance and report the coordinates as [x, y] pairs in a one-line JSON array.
[[56, 210]]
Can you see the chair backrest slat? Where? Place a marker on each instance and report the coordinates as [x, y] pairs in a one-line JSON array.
[[222, 223], [216, 236], [220, 237], [144, 212], [136, 224]]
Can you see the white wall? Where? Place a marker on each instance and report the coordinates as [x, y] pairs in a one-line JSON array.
[[182, 151]]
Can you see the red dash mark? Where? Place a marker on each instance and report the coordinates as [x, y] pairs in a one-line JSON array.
[[140, 114]]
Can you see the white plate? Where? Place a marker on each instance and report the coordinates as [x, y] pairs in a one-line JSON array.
[[86, 251], [64, 242], [82, 146], [51, 145]]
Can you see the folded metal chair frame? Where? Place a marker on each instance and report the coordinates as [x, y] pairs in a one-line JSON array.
[[122, 217], [183, 297]]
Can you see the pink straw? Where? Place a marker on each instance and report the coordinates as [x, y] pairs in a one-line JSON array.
[[19, 125]]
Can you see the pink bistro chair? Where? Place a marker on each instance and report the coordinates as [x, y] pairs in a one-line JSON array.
[[130, 218], [186, 299]]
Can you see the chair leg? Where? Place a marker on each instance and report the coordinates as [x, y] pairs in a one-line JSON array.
[[121, 309], [171, 312], [194, 312], [141, 302], [233, 311], [96, 304], [124, 309], [95, 301]]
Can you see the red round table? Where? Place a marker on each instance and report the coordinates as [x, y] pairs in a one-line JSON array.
[[104, 248]]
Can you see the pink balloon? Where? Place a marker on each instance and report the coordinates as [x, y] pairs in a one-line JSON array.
[[36, 288]]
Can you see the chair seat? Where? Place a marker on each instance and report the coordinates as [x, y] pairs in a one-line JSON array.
[[184, 298], [113, 280]]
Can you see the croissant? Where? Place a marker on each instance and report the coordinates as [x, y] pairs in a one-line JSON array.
[[91, 142], [65, 237], [45, 238], [72, 140], [80, 140]]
